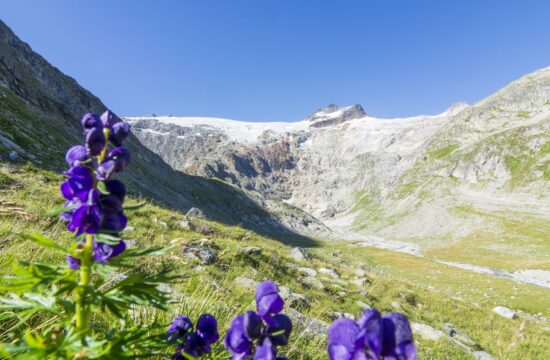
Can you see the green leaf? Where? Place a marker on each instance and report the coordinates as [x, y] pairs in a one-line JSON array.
[[56, 212], [102, 188], [44, 241], [107, 239], [134, 207]]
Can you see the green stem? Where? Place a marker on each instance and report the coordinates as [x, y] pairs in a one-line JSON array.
[[83, 309]]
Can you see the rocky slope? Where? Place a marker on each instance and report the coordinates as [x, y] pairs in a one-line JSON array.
[[424, 180], [40, 108]]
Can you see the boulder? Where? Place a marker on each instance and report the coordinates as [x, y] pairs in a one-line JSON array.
[[426, 332], [307, 271], [458, 335], [312, 282], [330, 272], [201, 250], [185, 224], [505, 312], [251, 251], [299, 254], [195, 212], [309, 327]]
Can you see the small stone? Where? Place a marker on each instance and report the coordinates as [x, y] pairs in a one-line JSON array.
[[341, 293], [426, 332], [163, 224], [309, 327], [359, 282], [482, 355], [246, 282], [307, 271], [13, 156], [196, 212], [363, 305], [505, 312], [360, 272], [312, 282], [252, 250], [330, 272], [458, 335], [335, 315], [297, 301], [129, 228], [130, 243], [299, 254], [205, 229], [200, 251], [291, 266], [185, 224], [396, 305]]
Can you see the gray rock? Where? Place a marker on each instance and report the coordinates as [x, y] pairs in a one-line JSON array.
[[330, 272], [396, 306], [482, 355], [363, 305], [129, 229], [251, 250], [205, 229], [335, 315], [246, 282], [299, 254], [185, 224], [308, 327], [360, 282], [163, 224], [195, 212], [307, 271], [13, 156], [297, 301], [505, 312], [199, 251], [426, 331], [312, 282], [458, 335], [360, 273]]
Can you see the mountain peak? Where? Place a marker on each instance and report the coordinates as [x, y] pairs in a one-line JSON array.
[[334, 115]]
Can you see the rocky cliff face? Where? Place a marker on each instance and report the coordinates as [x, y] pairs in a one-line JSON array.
[[397, 178], [40, 109]]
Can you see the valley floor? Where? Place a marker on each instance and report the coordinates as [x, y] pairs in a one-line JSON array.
[[339, 277]]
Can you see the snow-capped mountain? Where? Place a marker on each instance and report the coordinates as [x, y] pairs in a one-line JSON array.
[[398, 178]]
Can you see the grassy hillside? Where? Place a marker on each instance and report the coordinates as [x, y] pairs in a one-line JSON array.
[[426, 291]]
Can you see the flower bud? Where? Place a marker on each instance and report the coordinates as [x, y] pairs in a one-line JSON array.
[[95, 141], [108, 118], [119, 133], [76, 155], [91, 121], [121, 156]]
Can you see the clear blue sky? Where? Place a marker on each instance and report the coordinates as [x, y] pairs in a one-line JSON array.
[[282, 59]]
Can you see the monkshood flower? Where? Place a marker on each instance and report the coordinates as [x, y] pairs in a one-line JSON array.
[[258, 334], [372, 337], [193, 342], [94, 199]]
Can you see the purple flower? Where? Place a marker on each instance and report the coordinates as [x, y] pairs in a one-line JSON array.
[[397, 339], [105, 170], [73, 262], [179, 327], [265, 351], [116, 188], [372, 337], [265, 330], [91, 121], [193, 343], [108, 119], [268, 300], [207, 329], [76, 155], [95, 141], [79, 183], [236, 340], [103, 252], [87, 218], [278, 329], [121, 157], [119, 133]]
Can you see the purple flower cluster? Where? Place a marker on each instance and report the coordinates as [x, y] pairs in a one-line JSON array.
[[93, 199], [258, 334], [372, 337], [193, 342]]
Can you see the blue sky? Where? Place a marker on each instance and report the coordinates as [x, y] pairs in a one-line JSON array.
[[282, 59]]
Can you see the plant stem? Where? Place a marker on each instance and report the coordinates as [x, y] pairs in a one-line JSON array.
[[83, 309]]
